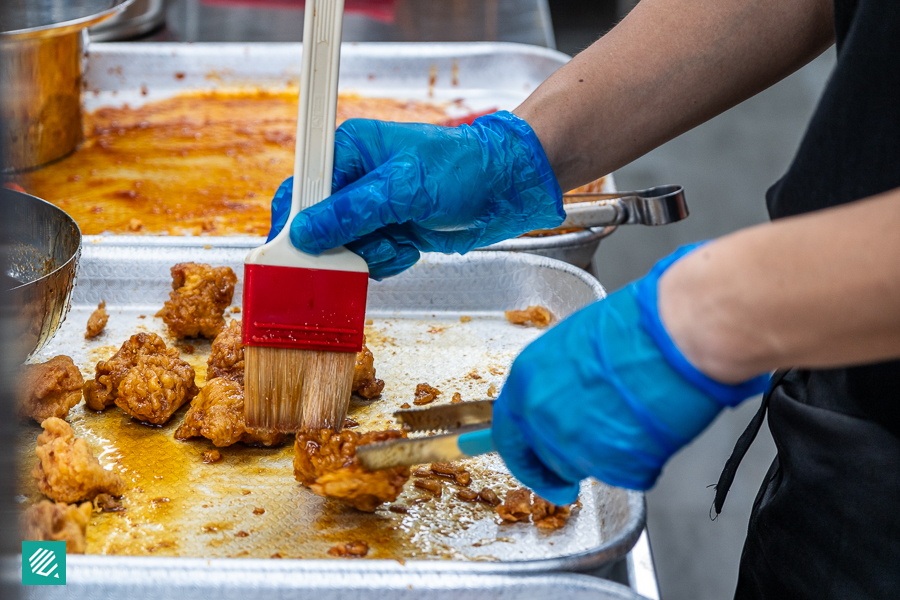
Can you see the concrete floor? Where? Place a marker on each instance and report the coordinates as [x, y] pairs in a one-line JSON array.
[[725, 165]]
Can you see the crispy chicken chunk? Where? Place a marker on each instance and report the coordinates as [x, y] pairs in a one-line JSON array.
[[364, 382], [349, 550], [97, 321], [58, 522], [326, 462], [537, 315], [199, 297], [425, 394], [548, 516], [157, 386], [145, 378], [217, 414], [226, 358], [67, 470], [49, 389], [517, 506]]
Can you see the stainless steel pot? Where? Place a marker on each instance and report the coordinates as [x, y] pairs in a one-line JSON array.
[[41, 53], [42, 251]]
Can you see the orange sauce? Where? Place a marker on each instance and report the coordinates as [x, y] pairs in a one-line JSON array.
[[200, 163]]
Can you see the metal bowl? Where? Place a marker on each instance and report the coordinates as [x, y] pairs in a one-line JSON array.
[[43, 248]]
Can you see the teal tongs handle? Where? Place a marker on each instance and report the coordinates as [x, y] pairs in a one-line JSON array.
[[478, 442]]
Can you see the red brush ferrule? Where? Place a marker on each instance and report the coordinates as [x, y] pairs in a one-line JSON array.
[[313, 309]]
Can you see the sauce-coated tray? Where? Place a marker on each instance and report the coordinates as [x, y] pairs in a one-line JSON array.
[[179, 506]]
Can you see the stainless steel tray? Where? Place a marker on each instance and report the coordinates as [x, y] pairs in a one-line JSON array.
[[483, 75], [175, 579], [416, 336]]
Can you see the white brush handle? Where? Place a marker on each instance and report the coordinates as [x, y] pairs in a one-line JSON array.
[[314, 155], [314, 158]]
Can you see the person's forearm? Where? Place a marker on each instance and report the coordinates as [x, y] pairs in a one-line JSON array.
[[667, 67], [817, 291]]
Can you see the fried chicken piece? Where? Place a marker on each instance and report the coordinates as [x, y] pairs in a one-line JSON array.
[[67, 470], [326, 462], [97, 321], [489, 496], [217, 414], [350, 550], [49, 389], [546, 515], [58, 522], [517, 506], [537, 315], [157, 386], [364, 382], [103, 390], [226, 358], [199, 297], [425, 394]]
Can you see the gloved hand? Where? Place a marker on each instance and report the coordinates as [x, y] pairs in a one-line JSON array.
[[404, 188], [605, 393]]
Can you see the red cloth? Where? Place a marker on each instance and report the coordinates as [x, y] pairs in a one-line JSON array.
[[379, 10]]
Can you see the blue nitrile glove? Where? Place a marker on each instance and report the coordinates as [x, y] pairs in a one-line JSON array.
[[404, 188], [605, 393]]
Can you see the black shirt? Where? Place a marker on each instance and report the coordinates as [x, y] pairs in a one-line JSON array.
[[851, 151]]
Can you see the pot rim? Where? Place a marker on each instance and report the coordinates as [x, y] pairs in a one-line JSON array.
[[65, 27]]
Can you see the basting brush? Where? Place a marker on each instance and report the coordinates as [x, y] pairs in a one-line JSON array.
[[303, 315]]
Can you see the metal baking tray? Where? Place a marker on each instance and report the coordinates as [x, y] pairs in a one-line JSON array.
[[482, 75], [176, 579], [178, 506]]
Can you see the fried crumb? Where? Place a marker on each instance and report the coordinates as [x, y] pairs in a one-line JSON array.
[[259, 511], [97, 321], [106, 503], [396, 508], [467, 495], [456, 398], [492, 391], [465, 319], [135, 225], [212, 456], [473, 374], [235, 309], [436, 329], [276, 555], [350, 423], [425, 394], [422, 472], [405, 405], [187, 349], [349, 550], [370, 322], [242, 534], [430, 485], [489, 496], [538, 316]]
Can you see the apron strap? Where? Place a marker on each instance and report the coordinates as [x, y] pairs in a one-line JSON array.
[[743, 444]]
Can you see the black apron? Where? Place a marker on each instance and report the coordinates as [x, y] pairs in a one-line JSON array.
[[826, 522]]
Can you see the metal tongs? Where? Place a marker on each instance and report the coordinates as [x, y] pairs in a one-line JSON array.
[[654, 206], [468, 433]]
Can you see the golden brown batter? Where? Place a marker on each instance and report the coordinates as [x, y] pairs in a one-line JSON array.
[[67, 470], [58, 522]]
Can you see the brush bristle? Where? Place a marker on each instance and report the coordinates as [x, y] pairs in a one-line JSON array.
[[288, 389]]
